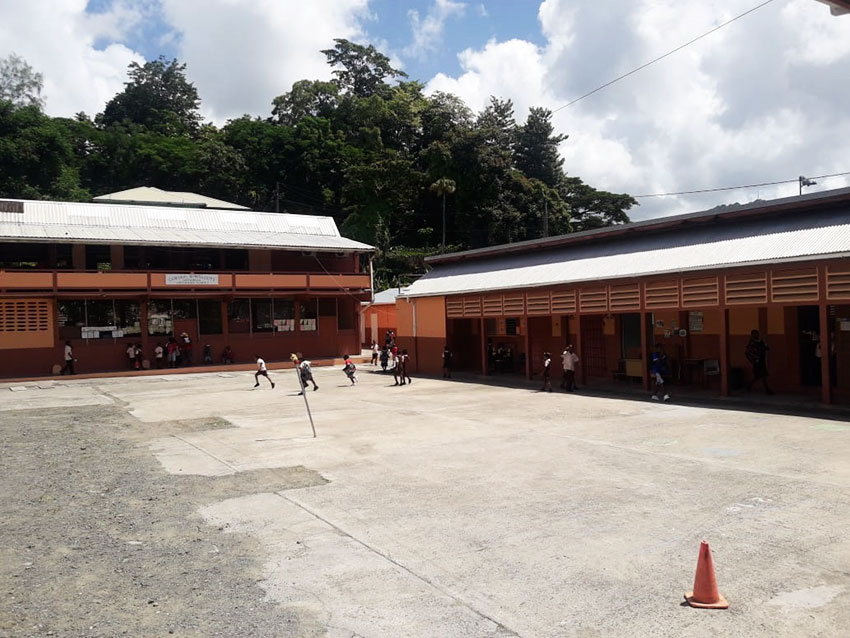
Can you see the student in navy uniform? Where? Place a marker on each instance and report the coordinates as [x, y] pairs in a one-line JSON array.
[[350, 369], [657, 367], [447, 362], [756, 353]]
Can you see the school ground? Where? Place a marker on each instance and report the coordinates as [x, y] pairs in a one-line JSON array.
[[198, 505]]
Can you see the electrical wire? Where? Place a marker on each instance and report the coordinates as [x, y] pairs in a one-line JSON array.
[[732, 188], [661, 57]]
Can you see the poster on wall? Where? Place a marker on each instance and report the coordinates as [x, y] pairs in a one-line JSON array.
[[695, 321], [284, 325], [308, 325]]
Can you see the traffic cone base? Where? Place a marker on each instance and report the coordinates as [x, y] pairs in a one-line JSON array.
[[721, 603]]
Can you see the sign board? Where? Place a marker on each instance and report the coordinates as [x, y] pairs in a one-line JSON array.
[[695, 320], [190, 279]]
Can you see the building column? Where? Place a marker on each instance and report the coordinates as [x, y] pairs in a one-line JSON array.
[[644, 368], [78, 256], [483, 346], [116, 256], [527, 338], [579, 353], [825, 345], [724, 352]]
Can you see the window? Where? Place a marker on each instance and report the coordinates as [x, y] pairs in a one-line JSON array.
[[98, 258], [128, 318], [261, 315], [236, 259], [209, 317], [284, 315], [72, 316], [100, 313], [239, 316], [159, 318], [308, 313], [184, 309], [25, 256]]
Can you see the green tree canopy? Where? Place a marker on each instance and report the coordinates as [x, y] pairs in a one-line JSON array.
[[157, 97], [19, 83]]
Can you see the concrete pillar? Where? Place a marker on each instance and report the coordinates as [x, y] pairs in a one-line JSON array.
[[580, 372], [644, 353], [116, 257], [483, 346], [527, 338], [78, 256], [825, 345], [724, 352]]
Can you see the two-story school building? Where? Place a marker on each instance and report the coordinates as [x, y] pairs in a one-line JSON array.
[[108, 275], [698, 284]]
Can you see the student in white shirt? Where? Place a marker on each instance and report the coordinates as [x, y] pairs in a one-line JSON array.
[[570, 359], [261, 371], [158, 353], [69, 359]]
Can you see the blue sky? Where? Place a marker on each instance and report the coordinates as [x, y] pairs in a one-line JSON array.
[[761, 100]]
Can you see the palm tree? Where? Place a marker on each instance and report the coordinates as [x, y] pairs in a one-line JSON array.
[[443, 186]]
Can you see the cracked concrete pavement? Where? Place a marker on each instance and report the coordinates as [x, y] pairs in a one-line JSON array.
[[455, 509]]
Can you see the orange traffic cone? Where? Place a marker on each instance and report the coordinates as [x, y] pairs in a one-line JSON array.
[[705, 594]]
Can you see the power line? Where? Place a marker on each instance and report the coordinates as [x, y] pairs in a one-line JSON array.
[[732, 188], [661, 57]]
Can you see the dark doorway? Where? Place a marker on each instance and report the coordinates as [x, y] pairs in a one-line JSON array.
[[808, 325], [593, 347]]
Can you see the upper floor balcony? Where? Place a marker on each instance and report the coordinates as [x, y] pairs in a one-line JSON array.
[[156, 283]]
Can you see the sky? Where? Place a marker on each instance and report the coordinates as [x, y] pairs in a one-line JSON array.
[[761, 100]]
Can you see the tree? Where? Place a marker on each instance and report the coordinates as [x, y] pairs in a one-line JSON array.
[[311, 98], [441, 188], [19, 83], [592, 208], [536, 149], [157, 97], [363, 71]]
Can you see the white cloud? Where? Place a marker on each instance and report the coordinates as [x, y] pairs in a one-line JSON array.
[[428, 32], [243, 53], [59, 39], [482, 10], [762, 99]]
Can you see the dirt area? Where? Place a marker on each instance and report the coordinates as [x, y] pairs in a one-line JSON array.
[[99, 541]]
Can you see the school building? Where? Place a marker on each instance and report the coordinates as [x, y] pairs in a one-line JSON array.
[[106, 275], [697, 283], [378, 316]]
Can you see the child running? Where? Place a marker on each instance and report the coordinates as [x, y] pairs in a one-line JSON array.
[[350, 369], [261, 371], [305, 372]]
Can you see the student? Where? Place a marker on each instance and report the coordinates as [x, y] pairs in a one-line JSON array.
[[261, 371], [138, 352], [569, 359], [305, 372], [131, 355], [350, 369], [69, 359], [375, 350], [756, 353], [447, 362], [227, 355], [657, 368], [385, 358], [173, 351], [405, 366], [208, 354], [186, 348], [547, 372], [158, 355]]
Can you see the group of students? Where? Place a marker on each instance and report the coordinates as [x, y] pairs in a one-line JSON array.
[[177, 353], [569, 359], [392, 358]]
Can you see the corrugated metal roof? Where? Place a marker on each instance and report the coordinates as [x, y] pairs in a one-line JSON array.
[[159, 225], [760, 241], [388, 295], [151, 195]]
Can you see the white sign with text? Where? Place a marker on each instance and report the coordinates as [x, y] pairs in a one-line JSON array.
[[191, 279]]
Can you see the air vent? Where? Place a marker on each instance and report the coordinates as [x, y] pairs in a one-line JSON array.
[[11, 207]]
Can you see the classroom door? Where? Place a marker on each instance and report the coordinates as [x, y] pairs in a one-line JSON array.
[[593, 347]]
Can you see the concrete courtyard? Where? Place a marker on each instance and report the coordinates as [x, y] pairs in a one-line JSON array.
[[452, 509]]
